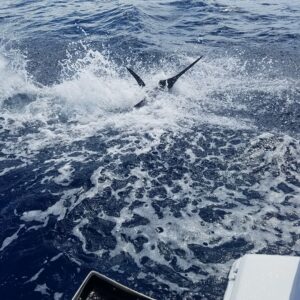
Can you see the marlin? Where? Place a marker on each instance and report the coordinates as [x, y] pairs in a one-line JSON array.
[[162, 84]]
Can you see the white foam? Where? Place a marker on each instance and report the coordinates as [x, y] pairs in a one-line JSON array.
[[58, 209], [65, 175], [7, 170], [13, 75], [36, 276], [58, 296], [7, 241], [42, 288], [78, 234], [56, 257]]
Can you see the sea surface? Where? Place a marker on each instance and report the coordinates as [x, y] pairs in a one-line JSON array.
[[163, 198]]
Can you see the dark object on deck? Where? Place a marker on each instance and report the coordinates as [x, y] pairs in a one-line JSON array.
[[99, 287]]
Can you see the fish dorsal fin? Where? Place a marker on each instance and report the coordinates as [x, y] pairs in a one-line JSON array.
[[171, 81], [137, 78]]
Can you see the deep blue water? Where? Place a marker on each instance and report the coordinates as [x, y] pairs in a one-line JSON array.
[[164, 198]]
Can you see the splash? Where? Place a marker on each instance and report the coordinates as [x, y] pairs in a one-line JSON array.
[[162, 191]]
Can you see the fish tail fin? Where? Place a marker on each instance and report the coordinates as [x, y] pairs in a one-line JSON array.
[[171, 81], [137, 78]]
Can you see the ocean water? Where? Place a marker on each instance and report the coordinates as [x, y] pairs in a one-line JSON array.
[[164, 198]]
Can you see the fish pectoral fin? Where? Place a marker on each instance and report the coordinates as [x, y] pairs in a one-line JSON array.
[[171, 81], [138, 79]]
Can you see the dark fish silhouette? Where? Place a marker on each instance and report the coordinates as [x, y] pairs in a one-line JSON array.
[[169, 83]]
